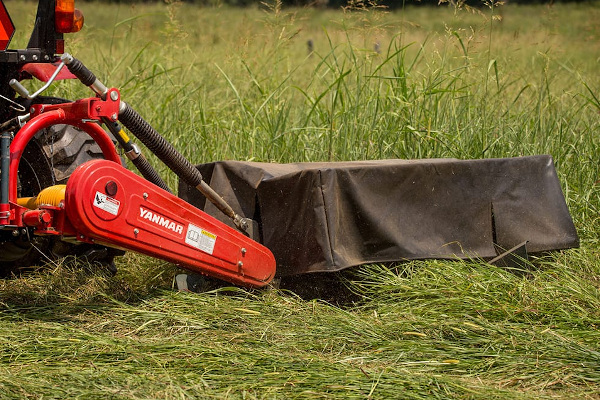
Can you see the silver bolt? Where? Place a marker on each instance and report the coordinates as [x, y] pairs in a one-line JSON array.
[[244, 251], [114, 96], [22, 57], [136, 231], [46, 57], [145, 195], [15, 232], [32, 110], [240, 264], [34, 57], [113, 117]]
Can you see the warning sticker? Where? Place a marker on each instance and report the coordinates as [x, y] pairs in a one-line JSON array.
[[200, 239], [106, 203]]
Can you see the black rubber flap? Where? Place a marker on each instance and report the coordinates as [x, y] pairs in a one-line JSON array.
[[318, 217]]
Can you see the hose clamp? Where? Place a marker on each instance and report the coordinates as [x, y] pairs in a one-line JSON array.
[[133, 153]]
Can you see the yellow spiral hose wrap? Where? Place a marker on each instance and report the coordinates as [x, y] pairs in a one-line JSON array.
[[51, 196]]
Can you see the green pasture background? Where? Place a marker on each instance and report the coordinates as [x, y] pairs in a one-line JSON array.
[[281, 84], [388, 4]]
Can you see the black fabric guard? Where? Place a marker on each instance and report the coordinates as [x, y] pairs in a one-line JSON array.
[[319, 217]]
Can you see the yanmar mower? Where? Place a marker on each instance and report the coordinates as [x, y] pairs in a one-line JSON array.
[[99, 206], [64, 190]]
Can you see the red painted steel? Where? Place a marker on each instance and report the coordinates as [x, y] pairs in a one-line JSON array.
[[7, 214], [36, 218], [145, 218], [7, 28], [43, 71], [106, 203], [44, 120]]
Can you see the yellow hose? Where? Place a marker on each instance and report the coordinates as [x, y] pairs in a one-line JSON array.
[[29, 202], [51, 196]]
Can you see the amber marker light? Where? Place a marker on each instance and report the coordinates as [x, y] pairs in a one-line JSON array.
[[67, 18]]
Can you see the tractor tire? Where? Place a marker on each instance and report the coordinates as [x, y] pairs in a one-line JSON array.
[[49, 159]]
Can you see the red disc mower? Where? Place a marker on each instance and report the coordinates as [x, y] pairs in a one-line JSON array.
[[97, 207]]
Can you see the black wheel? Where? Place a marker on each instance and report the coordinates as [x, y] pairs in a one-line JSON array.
[[49, 159]]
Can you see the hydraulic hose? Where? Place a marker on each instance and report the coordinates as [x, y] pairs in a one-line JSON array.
[[135, 156], [88, 78], [177, 162], [84, 75], [159, 146]]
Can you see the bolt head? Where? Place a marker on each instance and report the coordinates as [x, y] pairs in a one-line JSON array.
[[114, 96]]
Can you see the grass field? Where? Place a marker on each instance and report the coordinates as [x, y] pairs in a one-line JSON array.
[[241, 84]]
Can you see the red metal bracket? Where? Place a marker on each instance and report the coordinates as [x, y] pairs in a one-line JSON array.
[[84, 114], [92, 108]]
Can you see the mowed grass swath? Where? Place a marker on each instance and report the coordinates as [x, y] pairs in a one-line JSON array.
[[225, 83]]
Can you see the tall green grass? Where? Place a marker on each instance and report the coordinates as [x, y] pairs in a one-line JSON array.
[[240, 84], [423, 82]]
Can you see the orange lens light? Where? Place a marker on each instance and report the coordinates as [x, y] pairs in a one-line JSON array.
[[64, 15], [77, 20]]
